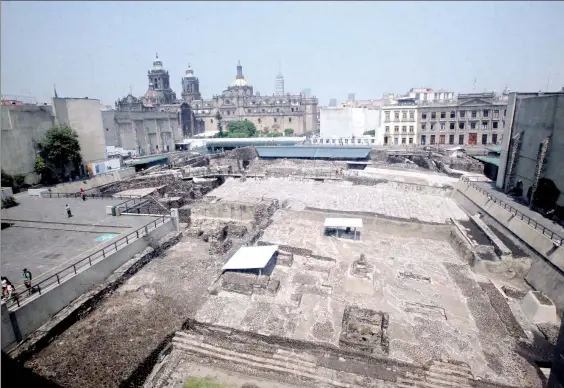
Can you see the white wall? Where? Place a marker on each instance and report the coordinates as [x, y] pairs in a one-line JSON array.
[[346, 122]]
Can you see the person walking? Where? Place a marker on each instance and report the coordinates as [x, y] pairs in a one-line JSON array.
[[27, 280], [82, 194], [69, 214]]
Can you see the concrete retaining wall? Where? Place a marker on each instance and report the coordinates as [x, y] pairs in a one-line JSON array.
[[18, 324], [542, 276], [98, 180], [228, 210]]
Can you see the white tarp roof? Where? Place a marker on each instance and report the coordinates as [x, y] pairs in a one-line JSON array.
[[251, 257], [343, 222]]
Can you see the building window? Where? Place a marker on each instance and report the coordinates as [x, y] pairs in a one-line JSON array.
[[404, 128], [385, 140], [403, 140], [404, 115], [107, 129], [411, 115], [289, 119], [396, 129], [432, 127], [473, 114], [387, 128], [461, 126], [275, 119], [494, 138], [423, 139], [495, 124], [473, 125], [443, 115], [433, 115], [211, 121], [484, 125], [452, 114], [432, 139], [450, 139], [423, 116], [395, 140], [486, 113], [292, 109], [259, 121], [462, 114], [410, 140], [496, 113], [227, 102], [387, 113], [346, 141], [484, 139], [396, 115], [460, 139], [411, 128], [504, 112], [277, 110], [442, 126], [451, 126], [423, 126]]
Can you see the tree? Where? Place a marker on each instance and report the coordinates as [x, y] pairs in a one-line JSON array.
[[288, 132], [372, 132], [273, 134], [218, 119], [242, 128], [60, 149]]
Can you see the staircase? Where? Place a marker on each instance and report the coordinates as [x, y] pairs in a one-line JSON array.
[[439, 374], [303, 367]]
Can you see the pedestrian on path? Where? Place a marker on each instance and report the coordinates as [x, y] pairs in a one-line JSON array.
[[27, 280], [69, 214], [82, 194]]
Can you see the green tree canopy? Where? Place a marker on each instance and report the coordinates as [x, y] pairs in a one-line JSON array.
[[60, 148], [218, 119], [289, 131], [241, 128], [273, 134], [372, 132]]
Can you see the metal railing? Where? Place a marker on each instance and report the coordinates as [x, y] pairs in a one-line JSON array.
[[556, 238], [90, 195], [73, 269]]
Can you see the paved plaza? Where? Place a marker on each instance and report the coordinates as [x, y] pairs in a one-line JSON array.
[[344, 196], [41, 236]]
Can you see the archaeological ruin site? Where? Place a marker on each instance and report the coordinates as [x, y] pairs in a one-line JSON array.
[[270, 272]]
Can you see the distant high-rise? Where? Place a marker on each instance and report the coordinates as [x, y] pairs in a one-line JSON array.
[[306, 93], [333, 102], [350, 97], [279, 87]]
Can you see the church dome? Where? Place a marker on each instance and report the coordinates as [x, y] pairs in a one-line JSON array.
[[239, 82], [189, 73], [157, 63]]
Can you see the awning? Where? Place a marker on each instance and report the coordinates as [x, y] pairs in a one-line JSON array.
[[251, 257], [488, 159], [343, 223]]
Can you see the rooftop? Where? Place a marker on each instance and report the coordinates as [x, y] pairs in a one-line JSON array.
[[325, 152]]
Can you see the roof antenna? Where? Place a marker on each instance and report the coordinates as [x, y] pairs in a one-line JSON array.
[[157, 55], [55, 90], [130, 91]]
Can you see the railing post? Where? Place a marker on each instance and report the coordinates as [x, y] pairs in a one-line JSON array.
[[137, 233], [103, 253], [115, 244], [127, 239], [74, 266], [58, 280], [90, 260]]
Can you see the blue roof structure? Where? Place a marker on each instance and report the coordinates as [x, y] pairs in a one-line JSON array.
[[311, 152]]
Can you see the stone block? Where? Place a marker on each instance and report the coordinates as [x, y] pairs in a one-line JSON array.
[[285, 259], [273, 286], [538, 308]]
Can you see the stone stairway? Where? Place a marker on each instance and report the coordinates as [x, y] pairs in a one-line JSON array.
[[280, 361], [302, 367], [439, 374]]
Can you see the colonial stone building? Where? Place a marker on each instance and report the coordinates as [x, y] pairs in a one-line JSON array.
[[157, 121], [476, 118], [268, 113]]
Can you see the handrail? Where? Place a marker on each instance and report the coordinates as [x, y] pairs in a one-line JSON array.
[[87, 261], [556, 238], [78, 195]]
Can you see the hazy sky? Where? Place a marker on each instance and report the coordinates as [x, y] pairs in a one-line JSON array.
[[99, 49]]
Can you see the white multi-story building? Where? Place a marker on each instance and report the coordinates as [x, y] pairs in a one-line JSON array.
[[399, 123], [430, 95], [348, 122]]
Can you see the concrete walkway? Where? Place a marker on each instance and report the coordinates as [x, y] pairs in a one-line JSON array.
[[548, 224]]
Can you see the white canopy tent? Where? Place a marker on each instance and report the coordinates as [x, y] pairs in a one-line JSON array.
[[251, 258], [344, 223]]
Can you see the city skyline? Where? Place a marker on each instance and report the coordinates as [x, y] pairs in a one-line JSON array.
[[84, 57]]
